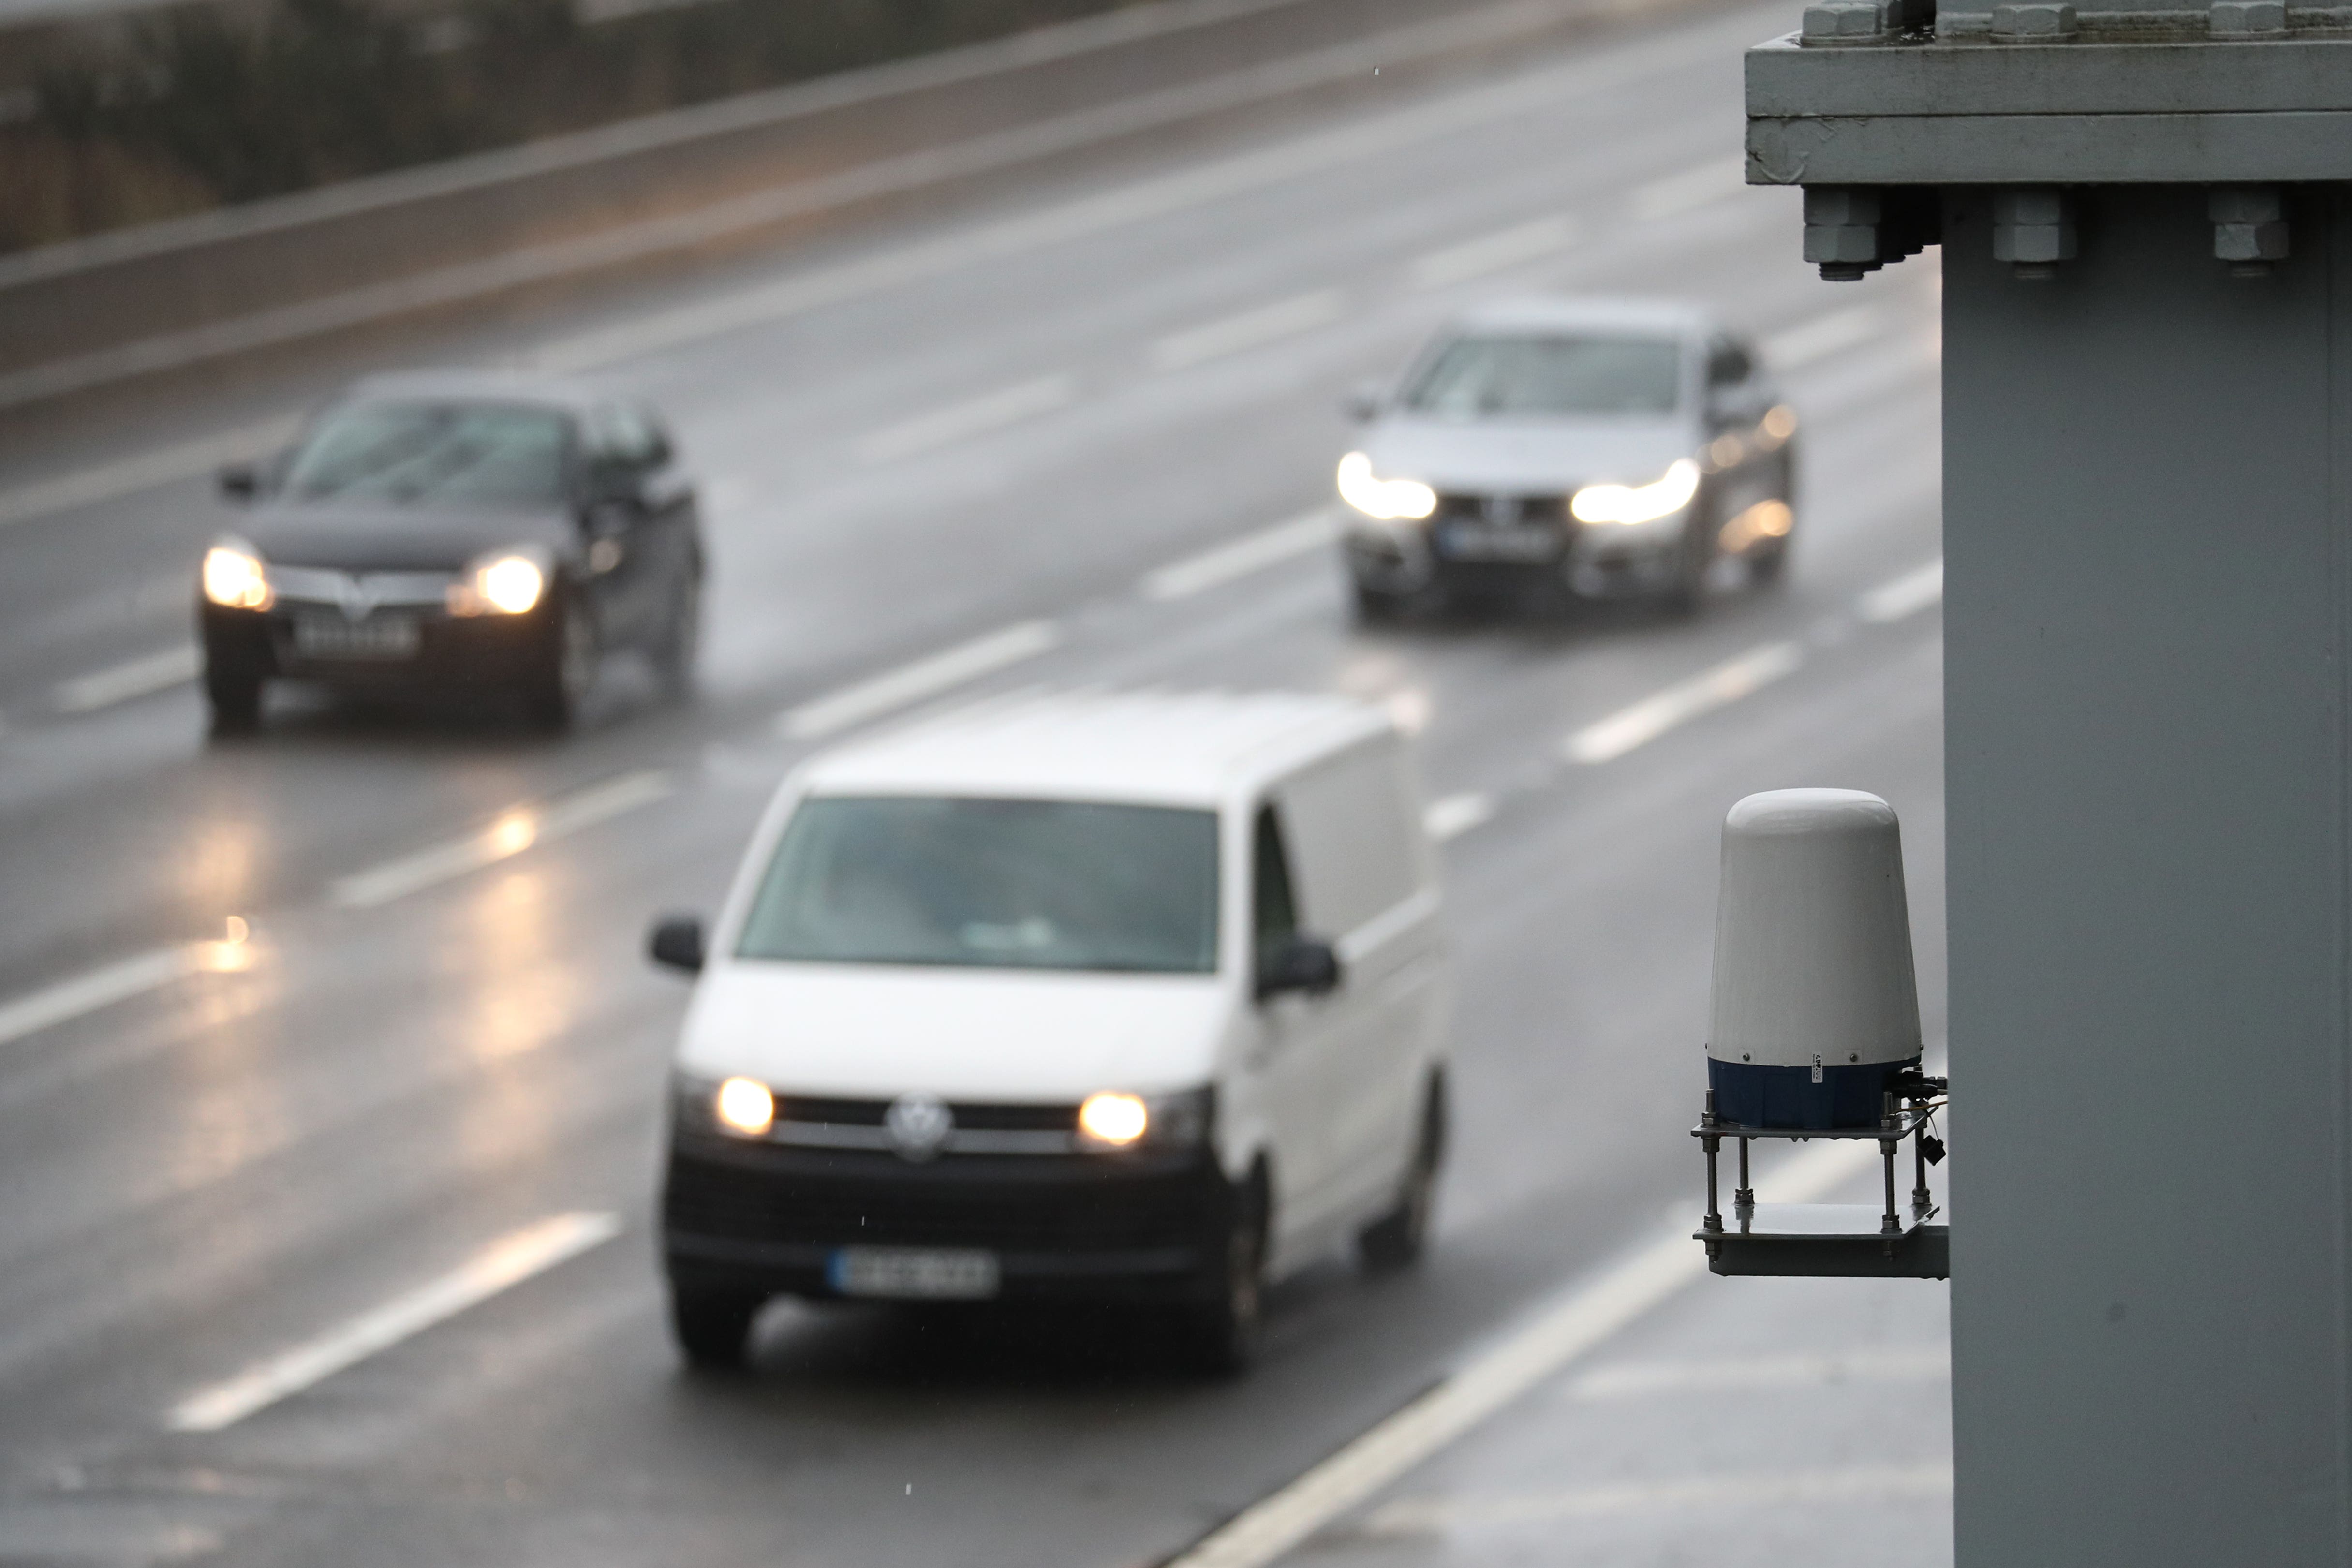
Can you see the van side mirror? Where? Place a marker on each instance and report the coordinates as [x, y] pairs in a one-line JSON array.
[[1303, 963], [240, 482], [1363, 401], [677, 943]]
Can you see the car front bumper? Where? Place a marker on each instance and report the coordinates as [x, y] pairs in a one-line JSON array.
[[447, 651]]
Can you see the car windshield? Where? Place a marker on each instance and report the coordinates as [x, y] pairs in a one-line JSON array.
[[435, 454], [992, 884], [1501, 378]]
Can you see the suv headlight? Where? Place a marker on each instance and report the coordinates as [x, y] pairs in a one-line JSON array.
[[1116, 1119], [235, 577], [1387, 500], [502, 583], [1661, 497]]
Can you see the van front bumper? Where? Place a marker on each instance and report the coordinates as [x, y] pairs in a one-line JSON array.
[[769, 1220]]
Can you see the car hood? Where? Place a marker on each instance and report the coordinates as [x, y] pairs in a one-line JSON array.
[[1009, 1035], [396, 539], [1525, 457]]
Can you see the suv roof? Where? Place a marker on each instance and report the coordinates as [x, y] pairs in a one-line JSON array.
[[1163, 747], [1559, 312]]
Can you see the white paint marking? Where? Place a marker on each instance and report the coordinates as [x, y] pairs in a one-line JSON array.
[[976, 417], [1691, 188], [122, 682], [1492, 253], [532, 1250], [925, 677], [1824, 336], [1783, 1488], [1906, 595], [513, 831], [1557, 1335], [1254, 552], [87, 993], [1644, 1380], [145, 472], [1652, 717], [1456, 814], [1249, 330]]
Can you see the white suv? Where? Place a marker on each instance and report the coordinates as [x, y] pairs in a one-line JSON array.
[[1135, 998]]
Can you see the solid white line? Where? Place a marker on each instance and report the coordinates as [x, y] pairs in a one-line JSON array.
[[87, 993], [1643, 1380], [1248, 330], [1556, 1335], [1906, 595], [506, 1263], [1691, 188], [1492, 252], [1783, 1488], [513, 831], [925, 677], [120, 683], [1253, 552], [975, 416], [1652, 717], [1457, 814], [1824, 336], [146, 471]]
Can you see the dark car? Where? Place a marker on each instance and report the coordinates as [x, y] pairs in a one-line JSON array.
[[459, 532]]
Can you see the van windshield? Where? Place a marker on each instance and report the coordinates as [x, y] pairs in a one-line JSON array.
[[990, 884]]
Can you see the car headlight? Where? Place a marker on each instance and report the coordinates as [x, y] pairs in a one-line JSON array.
[[744, 1105], [502, 583], [1116, 1120], [1387, 500], [235, 577], [1661, 497]]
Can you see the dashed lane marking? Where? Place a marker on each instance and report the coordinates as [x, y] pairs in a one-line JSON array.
[[1751, 1489], [1823, 335], [506, 1263], [1493, 252], [1456, 814], [1248, 330], [1554, 1336], [1694, 187], [510, 835], [1653, 716], [122, 682], [1906, 595], [143, 471], [911, 683], [118, 982], [989, 411], [1253, 552]]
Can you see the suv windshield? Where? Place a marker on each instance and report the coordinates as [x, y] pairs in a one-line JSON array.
[[1492, 378], [997, 884], [464, 454]]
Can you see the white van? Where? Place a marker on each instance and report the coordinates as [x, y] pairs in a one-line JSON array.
[[1089, 996]]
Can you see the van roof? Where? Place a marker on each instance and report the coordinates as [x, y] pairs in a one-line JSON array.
[[1166, 748]]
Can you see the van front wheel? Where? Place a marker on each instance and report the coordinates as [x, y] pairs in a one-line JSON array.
[[1222, 1331], [713, 1328]]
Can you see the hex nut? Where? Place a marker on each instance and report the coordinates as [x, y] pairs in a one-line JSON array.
[[2247, 19], [2036, 23]]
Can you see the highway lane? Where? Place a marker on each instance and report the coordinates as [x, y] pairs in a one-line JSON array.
[[222, 1167]]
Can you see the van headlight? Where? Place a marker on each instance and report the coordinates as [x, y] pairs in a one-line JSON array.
[[1661, 497], [235, 578], [502, 583], [737, 1107], [1115, 1120], [1385, 499]]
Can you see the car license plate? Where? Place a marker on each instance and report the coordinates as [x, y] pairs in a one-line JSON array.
[[1476, 541], [914, 1273], [334, 637]]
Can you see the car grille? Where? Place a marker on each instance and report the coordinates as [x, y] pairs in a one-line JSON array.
[[791, 1198], [1507, 511], [978, 1117]]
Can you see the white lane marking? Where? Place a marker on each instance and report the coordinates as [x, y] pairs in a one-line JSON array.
[[1248, 330], [1253, 552], [1492, 252], [119, 683], [1645, 721], [1456, 814], [1824, 336], [87, 993], [513, 831], [974, 416], [1691, 188], [532, 1250], [911, 683], [1767, 1489], [1906, 595], [144, 471], [1643, 1380], [1555, 1336]]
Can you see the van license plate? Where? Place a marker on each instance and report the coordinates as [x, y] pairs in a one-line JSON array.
[[378, 636], [914, 1273]]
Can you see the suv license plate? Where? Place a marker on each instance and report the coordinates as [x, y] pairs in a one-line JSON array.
[[1474, 542], [913, 1273], [378, 636]]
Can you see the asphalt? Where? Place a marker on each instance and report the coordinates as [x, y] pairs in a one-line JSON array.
[[437, 1033]]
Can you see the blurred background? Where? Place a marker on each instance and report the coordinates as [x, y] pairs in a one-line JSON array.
[[994, 344]]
